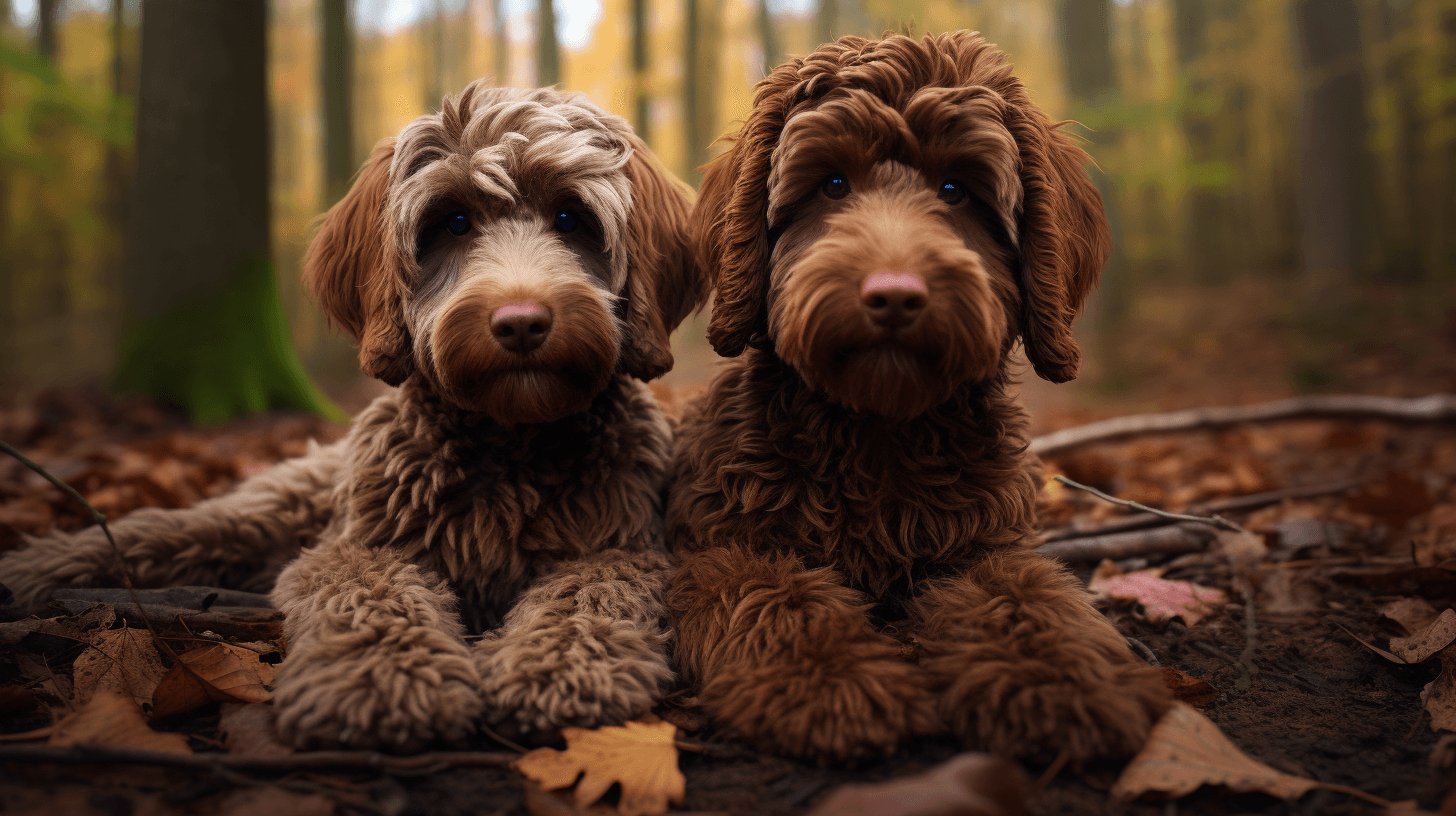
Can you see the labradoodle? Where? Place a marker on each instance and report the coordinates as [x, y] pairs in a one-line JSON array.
[[852, 499], [515, 264]]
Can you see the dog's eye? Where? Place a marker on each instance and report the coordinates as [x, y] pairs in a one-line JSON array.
[[565, 221], [457, 223], [952, 192], [835, 187]]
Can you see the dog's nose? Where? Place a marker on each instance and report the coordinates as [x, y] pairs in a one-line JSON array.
[[894, 299], [521, 327]]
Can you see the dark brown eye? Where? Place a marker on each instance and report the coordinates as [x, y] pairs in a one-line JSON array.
[[835, 187], [952, 192]]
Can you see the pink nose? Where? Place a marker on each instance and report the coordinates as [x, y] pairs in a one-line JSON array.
[[521, 326], [894, 299]]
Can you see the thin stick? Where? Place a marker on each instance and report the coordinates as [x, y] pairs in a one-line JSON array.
[[1216, 521], [283, 764], [100, 518], [500, 739]]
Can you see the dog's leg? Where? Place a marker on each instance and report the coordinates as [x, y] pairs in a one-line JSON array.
[[586, 645], [785, 657], [376, 653], [239, 539], [1026, 666]]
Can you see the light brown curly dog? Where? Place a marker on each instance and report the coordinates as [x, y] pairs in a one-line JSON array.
[[514, 264], [891, 218]]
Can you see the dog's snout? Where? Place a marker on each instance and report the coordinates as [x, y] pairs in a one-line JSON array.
[[894, 299], [521, 327]]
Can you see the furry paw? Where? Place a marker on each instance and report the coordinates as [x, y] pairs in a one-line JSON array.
[[1076, 702], [846, 703], [412, 687], [583, 670]]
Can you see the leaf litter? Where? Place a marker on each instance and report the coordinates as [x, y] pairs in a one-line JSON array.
[[640, 757]]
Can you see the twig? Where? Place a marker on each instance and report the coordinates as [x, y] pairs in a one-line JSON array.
[[1139, 521], [1434, 408], [100, 518], [489, 732], [1216, 521], [1181, 538], [284, 764]]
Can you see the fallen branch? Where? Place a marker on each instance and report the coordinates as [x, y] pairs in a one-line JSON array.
[[1139, 521], [272, 764], [1213, 521], [1175, 540], [1433, 408], [241, 622]]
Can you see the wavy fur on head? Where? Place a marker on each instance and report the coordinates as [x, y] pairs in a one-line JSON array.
[[514, 492], [856, 466]]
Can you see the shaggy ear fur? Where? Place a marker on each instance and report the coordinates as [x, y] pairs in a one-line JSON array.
[[1064, 241], [352, 277], [665, 282], [731, 217]]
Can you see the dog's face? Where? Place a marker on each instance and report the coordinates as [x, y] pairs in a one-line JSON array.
[[892, 216], [516, 249]]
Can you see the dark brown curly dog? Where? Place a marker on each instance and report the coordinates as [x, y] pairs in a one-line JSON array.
[[892, 216]]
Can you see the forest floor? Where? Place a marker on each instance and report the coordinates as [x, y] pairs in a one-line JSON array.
[[1368, 553]]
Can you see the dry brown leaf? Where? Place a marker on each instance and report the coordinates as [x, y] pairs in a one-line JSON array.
[[1437, 542], [1440, 694], [114, 720], [639, 756], [1394, 499], [1413, 614], [1423, 645], [1187, 688], [1162, 599], [248, 730], [121, 660], [1186, 751], [217, 672], [967, 785]]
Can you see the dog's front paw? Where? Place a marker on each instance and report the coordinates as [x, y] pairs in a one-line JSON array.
[[414, 687], [1076, 702], [862, 701], [584, 670]]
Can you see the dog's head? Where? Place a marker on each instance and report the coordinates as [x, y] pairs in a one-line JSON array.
[[892, 215], [516, 249]]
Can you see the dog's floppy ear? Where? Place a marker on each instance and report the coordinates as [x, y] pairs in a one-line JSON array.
[[352, 277], [730, 221], [664, 281], [1064, 241]]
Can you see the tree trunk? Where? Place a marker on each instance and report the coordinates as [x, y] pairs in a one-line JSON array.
[[700, 81], [1331, 152], [204, 326], [548, 51], [826, 21], [338, 84], [502, 51], [641, 102], [435, 89], [768, 38], [45, 28]]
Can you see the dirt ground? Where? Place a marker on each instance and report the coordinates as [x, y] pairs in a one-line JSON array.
[[1316, 704]]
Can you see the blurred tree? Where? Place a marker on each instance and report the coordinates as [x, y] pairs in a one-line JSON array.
[[702, 56], [641, 101], [1087, 48], [434, 30], [826, 21], [45, 28], [338, 98], [548, 49], [204, 326], [502, 51], [768, 38]]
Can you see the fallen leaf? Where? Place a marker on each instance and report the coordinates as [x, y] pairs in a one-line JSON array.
[[1394, 499], [122, 660], [1437, 542], [1439, 695], [218, 672], [967, 785], [1187, 688], [114, 720], [1162, 599], [1186, 751], [639, 756], [248, 730], [1423, 645], [1413, 614], [56, 685]]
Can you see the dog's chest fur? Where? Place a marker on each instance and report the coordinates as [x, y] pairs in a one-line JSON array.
[[763, 461], [491, 508]]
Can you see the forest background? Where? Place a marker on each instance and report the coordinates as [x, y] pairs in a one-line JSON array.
[[1280, 174]]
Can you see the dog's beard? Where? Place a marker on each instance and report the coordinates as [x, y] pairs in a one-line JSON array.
[[821, 329], [560, 378]]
